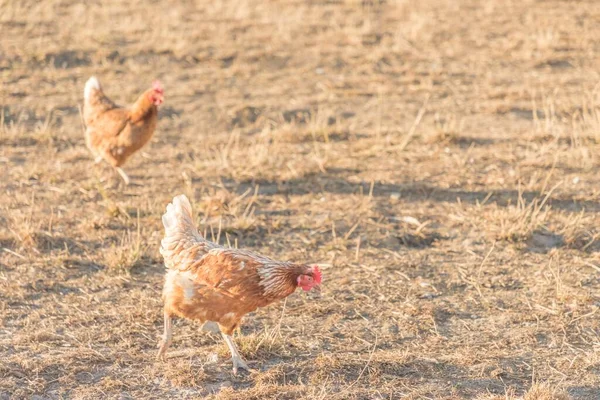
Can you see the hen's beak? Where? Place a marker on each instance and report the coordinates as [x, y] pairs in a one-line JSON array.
[[317, 288]]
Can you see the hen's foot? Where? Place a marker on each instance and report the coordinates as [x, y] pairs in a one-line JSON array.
[[162, 349], [239, 363]]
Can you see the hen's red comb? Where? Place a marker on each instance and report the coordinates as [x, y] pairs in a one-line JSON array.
[[157, 86], [317, 274]]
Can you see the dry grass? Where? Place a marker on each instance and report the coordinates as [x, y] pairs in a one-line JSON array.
[[439, 159]]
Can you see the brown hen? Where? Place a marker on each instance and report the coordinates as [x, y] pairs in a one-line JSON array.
[[217, 286], [114, 133]]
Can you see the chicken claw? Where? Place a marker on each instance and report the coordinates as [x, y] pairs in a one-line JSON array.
[[238, 362]]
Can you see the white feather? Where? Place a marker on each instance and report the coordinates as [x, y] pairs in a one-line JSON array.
[[91, 85], [178, 216], [180, 232]]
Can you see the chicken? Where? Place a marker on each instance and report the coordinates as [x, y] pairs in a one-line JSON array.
[[114, 133], [216, 285]]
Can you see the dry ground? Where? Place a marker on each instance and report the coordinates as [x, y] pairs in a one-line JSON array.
[[440, 156]]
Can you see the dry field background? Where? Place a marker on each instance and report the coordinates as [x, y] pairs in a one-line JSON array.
[[440, 156]]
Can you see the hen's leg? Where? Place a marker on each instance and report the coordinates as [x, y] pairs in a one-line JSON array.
[[238, 361], [166, 340], [123, 175]]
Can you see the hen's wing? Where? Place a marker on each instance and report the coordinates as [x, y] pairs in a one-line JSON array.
[[229, 281], [109, 123], [244, 275], [228, 268]]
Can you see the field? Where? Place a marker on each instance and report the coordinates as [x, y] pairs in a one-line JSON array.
[[438, 158]]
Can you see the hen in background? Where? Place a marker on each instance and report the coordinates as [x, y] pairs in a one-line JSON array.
[[114, 133], [217, 286]]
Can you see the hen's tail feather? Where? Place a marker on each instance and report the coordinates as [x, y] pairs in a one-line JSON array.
[[94, 101], [91, 86], [180, 232]]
